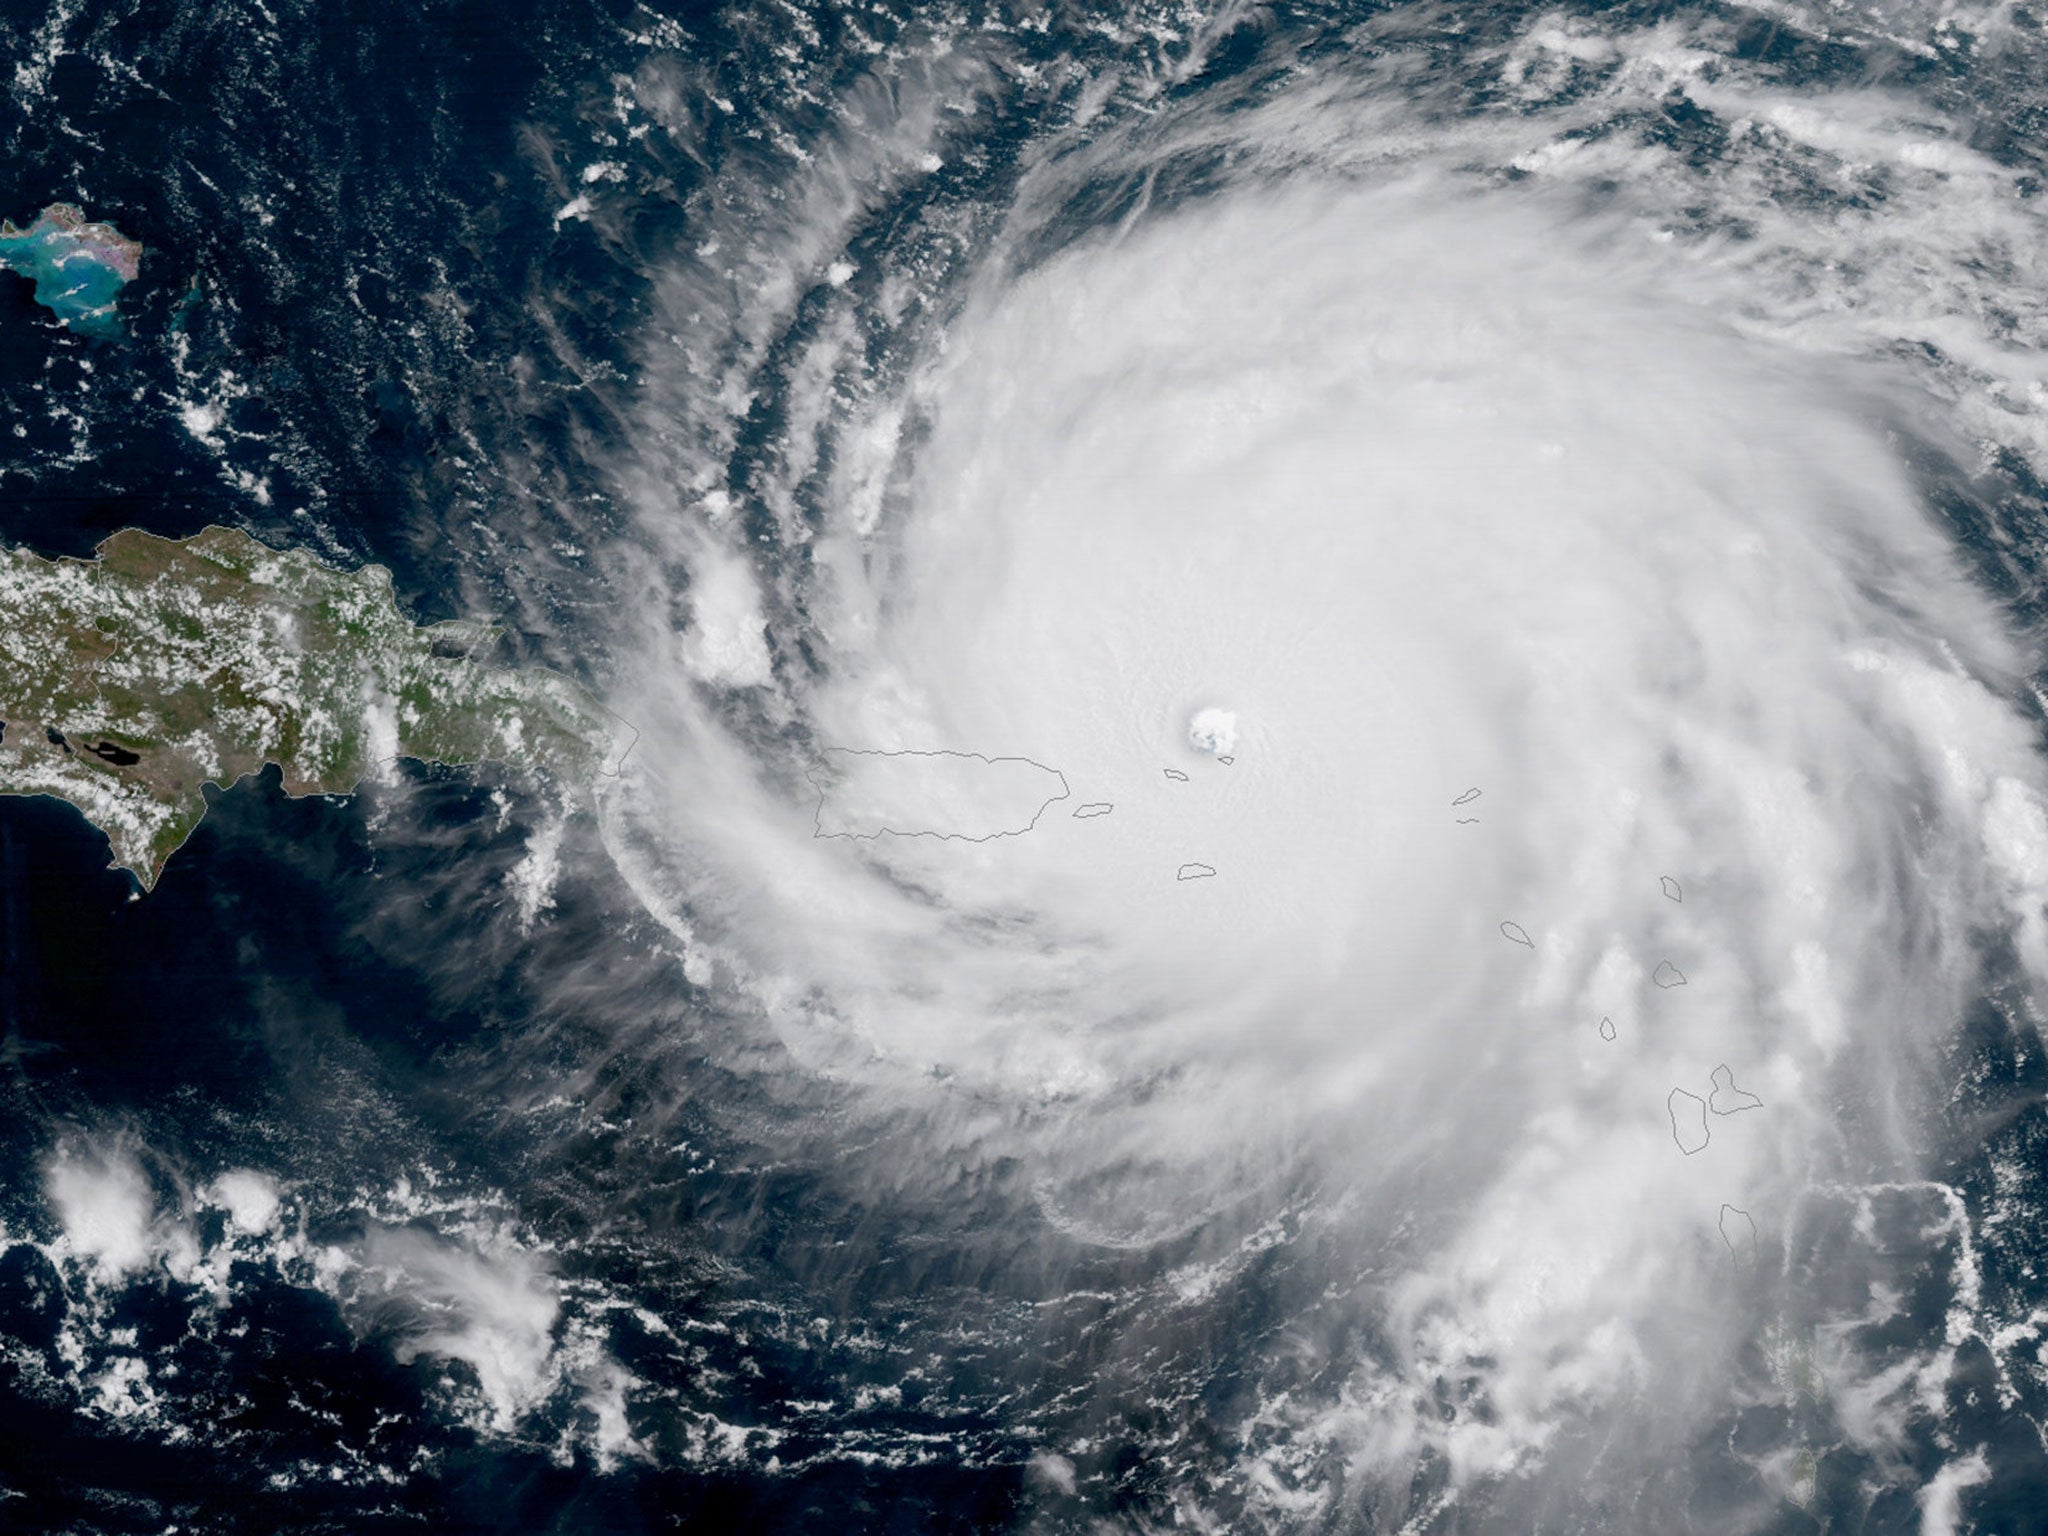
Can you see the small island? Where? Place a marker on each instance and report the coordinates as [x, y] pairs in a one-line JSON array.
[[866, 793], [78, 266], [129, 680]]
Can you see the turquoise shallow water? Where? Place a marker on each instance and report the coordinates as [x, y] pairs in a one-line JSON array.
[[79, 268]]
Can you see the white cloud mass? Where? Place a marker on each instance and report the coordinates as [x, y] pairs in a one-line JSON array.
[[1439, 479]]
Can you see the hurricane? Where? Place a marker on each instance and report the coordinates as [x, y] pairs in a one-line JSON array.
[[1336, 817], [1611, 723]]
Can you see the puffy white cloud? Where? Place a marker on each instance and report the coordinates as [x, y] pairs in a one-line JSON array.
[[107, 1211], [251, 1199], [491, 1305]]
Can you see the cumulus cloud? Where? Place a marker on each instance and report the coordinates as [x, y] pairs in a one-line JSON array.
[[492, 1307], [725, 642], [434, 1276], [103, 1201], [251, 1199]]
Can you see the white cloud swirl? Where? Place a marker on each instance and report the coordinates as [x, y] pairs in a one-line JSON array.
[[1429, 482]]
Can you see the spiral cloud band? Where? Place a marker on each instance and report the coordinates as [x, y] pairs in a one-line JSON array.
[[1543, 783]]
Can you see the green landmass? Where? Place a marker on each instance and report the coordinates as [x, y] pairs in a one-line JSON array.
[[129, 680]]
